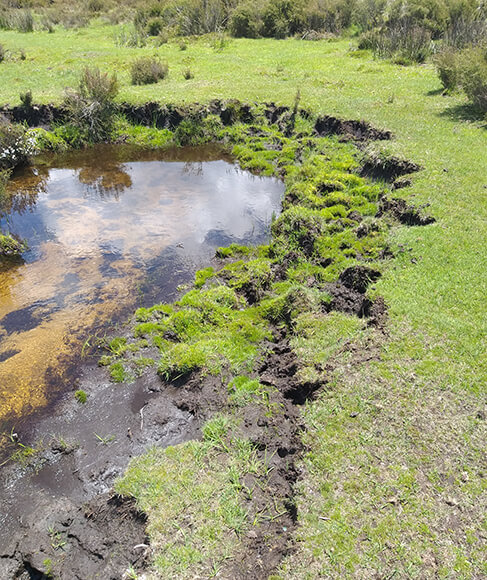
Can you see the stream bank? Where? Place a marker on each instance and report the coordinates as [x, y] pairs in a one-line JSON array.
[[312, 268]]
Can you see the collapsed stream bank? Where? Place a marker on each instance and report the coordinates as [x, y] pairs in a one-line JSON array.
[[224, 371]]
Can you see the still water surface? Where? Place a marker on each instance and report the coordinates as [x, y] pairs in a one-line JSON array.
[[109, 229]]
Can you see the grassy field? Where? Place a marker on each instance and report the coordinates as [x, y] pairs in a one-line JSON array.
[[395, 477]]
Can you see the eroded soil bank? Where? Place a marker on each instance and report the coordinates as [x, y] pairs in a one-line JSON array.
[[327, 249]]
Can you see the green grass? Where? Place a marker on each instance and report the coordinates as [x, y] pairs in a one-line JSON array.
[[196, 499], [395, 477]]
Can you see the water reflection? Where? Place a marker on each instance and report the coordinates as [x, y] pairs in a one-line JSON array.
[[21, 197], [105, 181], [109, 228]]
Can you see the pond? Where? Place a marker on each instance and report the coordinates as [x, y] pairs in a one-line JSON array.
[[109, 229]]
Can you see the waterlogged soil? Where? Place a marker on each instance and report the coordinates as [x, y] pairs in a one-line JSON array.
[[58, 513], [109, 229], [60, 509]]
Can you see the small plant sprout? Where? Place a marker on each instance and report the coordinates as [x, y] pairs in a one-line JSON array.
[[81, 396], [105, 440]]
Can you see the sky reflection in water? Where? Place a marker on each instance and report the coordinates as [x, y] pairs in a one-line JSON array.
[[97, 223]]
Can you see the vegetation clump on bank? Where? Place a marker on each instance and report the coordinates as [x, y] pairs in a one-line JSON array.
[[394, 466], [256, 336]]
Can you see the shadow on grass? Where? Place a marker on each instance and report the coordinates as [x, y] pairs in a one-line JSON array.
[[466, 113], [435, 92]]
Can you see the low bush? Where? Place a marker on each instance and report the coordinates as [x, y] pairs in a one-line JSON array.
[[245, 21], [131, 37], [467, 24], [466, 69], [448, 70], [282, 18], [403, 43], [3, 53], [24, 21], [16, 146], [147, 70], [91, 107], [473, 74], [154, 26]]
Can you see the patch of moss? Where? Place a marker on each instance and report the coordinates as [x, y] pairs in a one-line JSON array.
[[202, 276], [118, 372], [11, 246]]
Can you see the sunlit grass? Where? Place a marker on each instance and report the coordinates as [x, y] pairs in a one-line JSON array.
[[396, 441]]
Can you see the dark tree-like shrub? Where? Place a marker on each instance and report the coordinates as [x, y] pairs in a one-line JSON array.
[[282, 18]]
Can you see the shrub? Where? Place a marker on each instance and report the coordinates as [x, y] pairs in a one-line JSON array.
[[75, 19], [447, 67], [95, 6], [466, 69], [2, 53], [473, 73], [282, 18], [330, 16], [404, 42], [187, 74], [429, 15], [148, 70], [245, 21], [369, 14], [24, 21], [154, 26], [91, 107], [132, 37], [26, 99], [15, 145]]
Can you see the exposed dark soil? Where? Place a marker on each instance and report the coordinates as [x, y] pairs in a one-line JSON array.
[[62, 516], [349, 295], [34, 116], [99, 539], [387, 168], [353, 130], [66, 485], [56, 527], [230, 111], [405, 213], [277, 437]]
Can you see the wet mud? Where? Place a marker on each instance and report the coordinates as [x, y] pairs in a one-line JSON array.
[[58, 507], [58, 513]]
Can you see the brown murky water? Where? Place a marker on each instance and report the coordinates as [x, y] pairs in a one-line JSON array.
[[109, 229]]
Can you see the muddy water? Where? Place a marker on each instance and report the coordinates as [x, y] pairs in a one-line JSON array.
[[109, 229]]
